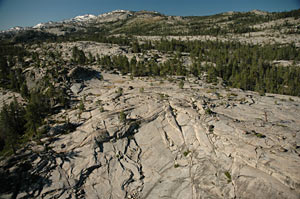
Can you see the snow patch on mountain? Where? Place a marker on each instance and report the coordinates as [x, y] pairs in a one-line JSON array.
[[40, 25], [115, 12], [86, 17]]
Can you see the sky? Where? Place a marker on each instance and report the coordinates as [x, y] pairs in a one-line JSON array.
[[31, 12]]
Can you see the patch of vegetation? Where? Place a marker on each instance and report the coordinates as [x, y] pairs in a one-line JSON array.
[[101, 108], [211, 128], [262, 92], [98, 102], [208, 111], [12, 124], [281, 125], [227, 174], [81, 106], [247, 67], [211, 90], [181, 84], [142, 90], [186, 153], [259, 135], [176, 165], [19, 124], [163, 96], [122, 117], [232, 95]]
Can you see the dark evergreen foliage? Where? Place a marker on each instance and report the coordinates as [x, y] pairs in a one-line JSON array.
[[78, 56], [12, 123]]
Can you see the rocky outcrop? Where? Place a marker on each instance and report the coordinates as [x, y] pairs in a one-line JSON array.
[[83, 73], [172, 143]]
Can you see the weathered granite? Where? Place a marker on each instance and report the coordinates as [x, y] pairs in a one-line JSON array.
[[168, 147]]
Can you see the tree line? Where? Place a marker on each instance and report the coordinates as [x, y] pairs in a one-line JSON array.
[[244, 66]]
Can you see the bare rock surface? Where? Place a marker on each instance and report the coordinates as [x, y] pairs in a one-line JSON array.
[[6, 97], [172, 143]]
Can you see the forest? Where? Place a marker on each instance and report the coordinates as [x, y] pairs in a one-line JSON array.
[[249, 67]]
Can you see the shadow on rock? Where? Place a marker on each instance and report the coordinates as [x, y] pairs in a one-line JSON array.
[[25, 175], [21, 179]]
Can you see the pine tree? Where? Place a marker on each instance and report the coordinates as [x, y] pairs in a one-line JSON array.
[[81, 57], [212, 74], [133, 63], [36, 109], [81, 106], [136, 47], [78, 56], [91, 58], [6, 130], [12, 123], [24, 90], [4, 69]]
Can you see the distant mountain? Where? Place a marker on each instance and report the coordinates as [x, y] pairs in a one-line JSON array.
[[151, 23]]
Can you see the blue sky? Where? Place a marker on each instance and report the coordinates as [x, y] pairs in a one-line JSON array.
[[31, 12]]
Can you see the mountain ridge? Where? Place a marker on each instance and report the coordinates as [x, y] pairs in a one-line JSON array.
[[82, 18]]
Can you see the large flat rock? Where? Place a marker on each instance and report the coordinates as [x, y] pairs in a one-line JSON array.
[[169, 146]]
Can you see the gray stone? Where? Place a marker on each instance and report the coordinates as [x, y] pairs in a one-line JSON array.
[[168, 148], [76, 88]]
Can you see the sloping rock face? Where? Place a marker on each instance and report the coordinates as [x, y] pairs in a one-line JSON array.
[[195, 142]]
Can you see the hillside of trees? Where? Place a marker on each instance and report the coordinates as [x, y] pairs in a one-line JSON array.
[[248, 67]]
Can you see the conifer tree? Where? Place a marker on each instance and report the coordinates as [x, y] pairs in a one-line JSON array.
[[12, 123], [36, 109], [24, 90]]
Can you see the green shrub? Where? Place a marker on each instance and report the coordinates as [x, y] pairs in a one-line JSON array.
[[208, 111], [186, 153], [98, 102], [141, 89], [163, 96], [81, 106], [211, 128], [262, 92], [101, 109], [122, 117], [259, 135], [227, 174], [181, 84]]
